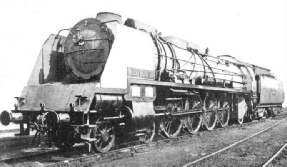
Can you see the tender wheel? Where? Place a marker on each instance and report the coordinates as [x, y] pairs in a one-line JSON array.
[[193, 123], [170, 126], [224, 112], [210, 116], [149, 135], [104, 134]]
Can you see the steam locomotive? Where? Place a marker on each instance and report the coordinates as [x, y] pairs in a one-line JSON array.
[[109, 79]]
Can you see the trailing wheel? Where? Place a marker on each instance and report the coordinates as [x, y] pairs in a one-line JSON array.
[[210, 112], [192, 122], [170, 126], [104, 135], [240, 121], [240, 108], [223, 111]]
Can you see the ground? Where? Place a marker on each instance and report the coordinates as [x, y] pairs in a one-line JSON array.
[[253, 152]]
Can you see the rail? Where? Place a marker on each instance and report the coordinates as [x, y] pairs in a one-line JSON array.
[[232, 145], [273, 160]]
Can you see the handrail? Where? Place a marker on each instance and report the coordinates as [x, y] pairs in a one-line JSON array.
[[197, 64]]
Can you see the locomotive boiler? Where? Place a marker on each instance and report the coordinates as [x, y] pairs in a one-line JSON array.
[[109, 79]]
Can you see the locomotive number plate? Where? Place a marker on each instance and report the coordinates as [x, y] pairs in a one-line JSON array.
[[139, 73]]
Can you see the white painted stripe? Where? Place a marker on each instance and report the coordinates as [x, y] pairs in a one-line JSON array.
[[219, 151]]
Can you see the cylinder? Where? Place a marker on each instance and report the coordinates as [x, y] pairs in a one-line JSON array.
[[7, 116], [52, 118], [64, 117]]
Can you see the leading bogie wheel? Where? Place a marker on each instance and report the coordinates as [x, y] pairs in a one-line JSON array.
[[104, 135], [63, 138], [171, 126]]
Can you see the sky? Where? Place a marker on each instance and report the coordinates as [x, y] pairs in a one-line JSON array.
[[253, 31]]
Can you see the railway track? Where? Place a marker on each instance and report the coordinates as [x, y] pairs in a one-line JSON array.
[[275, 159], [232, 145], [13, 142], [79, 155]]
